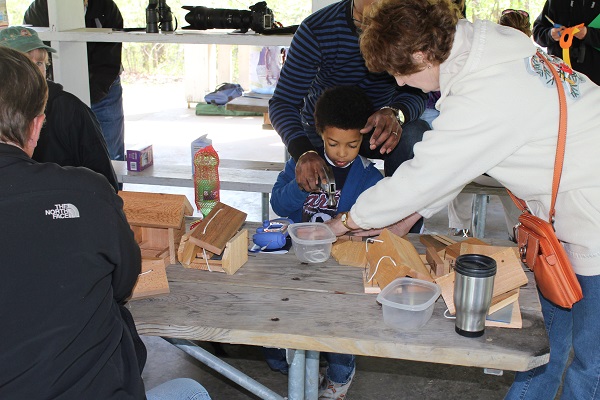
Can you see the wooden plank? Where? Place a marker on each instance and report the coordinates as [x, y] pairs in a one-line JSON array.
[[157, 210], [187, 251], [220, 225], [152, 280], [353, 324], [439, 267], [281, 271], [236, 252], [433, 242], [349, 252], [515, 322], [247, 103], [509, 275], [454, 250], [503, 300]]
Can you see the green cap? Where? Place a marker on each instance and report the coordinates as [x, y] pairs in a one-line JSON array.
[[22, 39]]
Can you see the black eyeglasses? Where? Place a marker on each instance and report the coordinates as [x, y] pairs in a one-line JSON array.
[[510, 10]]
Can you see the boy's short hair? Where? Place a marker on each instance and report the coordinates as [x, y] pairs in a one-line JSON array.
[[343, 107], [22, 39], [23, 95]]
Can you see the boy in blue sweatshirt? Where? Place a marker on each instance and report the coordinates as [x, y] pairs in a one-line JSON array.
[[340, 113]]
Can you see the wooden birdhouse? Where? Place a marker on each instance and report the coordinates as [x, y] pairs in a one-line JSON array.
[[216, 243], [391, 257], [157, 220]]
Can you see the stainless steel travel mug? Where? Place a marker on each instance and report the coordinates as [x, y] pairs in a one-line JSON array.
[[473, 287]]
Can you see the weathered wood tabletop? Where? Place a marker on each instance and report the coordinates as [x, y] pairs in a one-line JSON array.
[[274, 300]]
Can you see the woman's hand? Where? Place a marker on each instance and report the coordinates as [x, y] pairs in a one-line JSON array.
[[310, 171], [400, 228], [403, 226], [387, 130]]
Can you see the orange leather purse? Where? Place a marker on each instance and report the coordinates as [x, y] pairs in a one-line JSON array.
[[538, 245]]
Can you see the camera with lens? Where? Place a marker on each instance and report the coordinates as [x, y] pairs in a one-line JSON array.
[[260, 18], [159, 17]]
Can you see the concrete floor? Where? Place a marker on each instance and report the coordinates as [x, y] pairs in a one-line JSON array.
[[158, 114]]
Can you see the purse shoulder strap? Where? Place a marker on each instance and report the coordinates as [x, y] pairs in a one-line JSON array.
[[560, 147]]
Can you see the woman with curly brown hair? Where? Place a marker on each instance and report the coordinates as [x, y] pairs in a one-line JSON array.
[[498, 115]]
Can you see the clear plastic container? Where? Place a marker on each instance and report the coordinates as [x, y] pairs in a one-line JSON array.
[[408, 303], [312, 241]]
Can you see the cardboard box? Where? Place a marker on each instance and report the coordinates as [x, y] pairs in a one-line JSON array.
[[139, 157], [198, 144]]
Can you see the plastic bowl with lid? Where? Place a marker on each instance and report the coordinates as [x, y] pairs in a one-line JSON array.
[[312, 241], [408, 303]]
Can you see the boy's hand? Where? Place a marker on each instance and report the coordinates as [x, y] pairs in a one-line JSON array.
[[387, 130], [310, 172]]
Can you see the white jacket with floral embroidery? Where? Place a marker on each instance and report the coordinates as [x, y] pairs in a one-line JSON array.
[[498, 116]]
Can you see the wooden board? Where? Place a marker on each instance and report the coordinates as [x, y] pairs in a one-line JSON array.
[[157, 210], [276, 301], [234, 255], [454, 250], [391, 257], [503, 300], [370, 283], [152, 280], [349, 252], [438, 266], [434, 242], [509, 275], [220, 225], [516, 320]]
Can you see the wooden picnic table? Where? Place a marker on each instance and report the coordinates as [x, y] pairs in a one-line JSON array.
[[277, 301]]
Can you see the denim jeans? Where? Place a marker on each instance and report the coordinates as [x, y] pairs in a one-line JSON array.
[[109, 112], [178, 389], [579, 329], [412, 133], [429, 115], [340, 369]]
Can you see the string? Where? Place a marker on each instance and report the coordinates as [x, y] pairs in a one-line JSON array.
[[377, 266], [448, 316], [147, 272]]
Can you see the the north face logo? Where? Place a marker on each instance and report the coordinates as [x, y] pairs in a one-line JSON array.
[[63, 211]]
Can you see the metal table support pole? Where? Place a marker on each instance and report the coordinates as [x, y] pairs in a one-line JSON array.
[[224, 369], [265, 206], [311, 379], [479, 213], [296, 374]]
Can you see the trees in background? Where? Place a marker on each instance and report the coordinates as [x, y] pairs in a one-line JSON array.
[[167, 59]]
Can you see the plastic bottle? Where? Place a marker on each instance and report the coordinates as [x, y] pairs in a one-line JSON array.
[[206, 179]]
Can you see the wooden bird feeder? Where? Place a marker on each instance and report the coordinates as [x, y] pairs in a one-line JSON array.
[[216, 243], [158, 222]]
